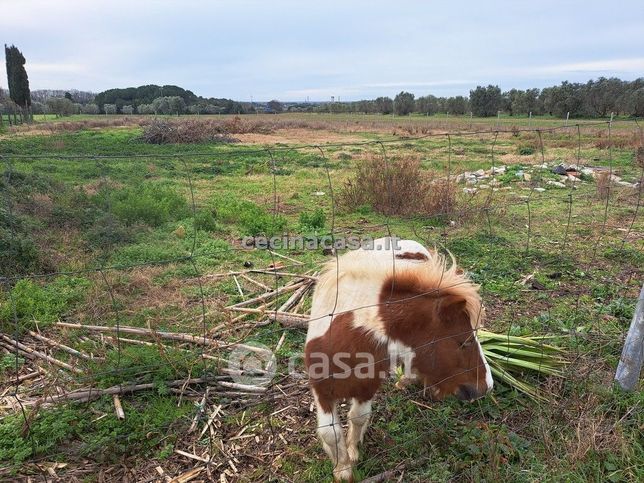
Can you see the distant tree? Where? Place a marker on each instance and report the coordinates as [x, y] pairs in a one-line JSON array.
[[145, 109], [169, 105], [60, 106], [457, 105], [127, 109], [384, 105], [109, 108], [68, 95], [38, 107], [485, 101], [90, 109], [427, 105], [563, 99], [275, 106], [404, 103], [18, 80]]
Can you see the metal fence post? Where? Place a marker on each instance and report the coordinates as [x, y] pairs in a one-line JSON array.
[[630, 363]]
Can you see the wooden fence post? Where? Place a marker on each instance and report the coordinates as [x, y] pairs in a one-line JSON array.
[[630, 364]]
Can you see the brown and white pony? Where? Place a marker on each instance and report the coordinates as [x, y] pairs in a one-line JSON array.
[[372, 308]]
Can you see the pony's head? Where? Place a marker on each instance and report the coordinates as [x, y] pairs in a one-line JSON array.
[[440, 329], [451, 362]]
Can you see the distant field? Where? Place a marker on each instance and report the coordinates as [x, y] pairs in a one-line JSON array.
[[101, 228]]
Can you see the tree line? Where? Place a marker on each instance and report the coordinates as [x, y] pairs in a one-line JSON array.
[[595, 98]]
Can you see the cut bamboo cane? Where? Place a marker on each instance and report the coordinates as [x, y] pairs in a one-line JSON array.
[[118, 407], [269, 295], [60, 346], [163, 335], [255, 282], [86, 395], [40, 355], [285, 257], [289, 319], [295, 298]]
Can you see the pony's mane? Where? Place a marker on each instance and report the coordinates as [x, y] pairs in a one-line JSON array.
[[433, 276]]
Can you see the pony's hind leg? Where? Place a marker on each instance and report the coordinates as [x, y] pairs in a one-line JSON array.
[[359, 416], [332, 436]]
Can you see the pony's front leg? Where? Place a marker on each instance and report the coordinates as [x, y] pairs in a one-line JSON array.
[[359, 416], [332, 436]]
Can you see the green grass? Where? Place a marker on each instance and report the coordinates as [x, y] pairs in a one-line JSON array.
[[129, 211]]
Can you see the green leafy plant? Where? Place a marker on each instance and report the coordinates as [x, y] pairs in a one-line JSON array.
[[510, 357]]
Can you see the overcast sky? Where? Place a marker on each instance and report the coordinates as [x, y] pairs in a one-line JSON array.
[[291, 50]]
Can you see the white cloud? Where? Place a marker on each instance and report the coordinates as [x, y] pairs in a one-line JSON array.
[[609, 67]]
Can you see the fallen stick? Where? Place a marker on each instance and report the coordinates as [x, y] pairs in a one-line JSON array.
[[86, 395], [241, 292], [200, 410], [259, 284], [295, 298], [118, 407], [285, 274], [163, 335], [191, 456], [242, 387], [269, 295], [285, 257], [15, 344], [289, 319], [62, 347], [212, 417]]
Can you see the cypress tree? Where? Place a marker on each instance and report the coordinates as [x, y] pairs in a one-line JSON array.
[[18, 80]]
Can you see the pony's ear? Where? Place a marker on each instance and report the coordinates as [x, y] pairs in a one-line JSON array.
[[452, 308]]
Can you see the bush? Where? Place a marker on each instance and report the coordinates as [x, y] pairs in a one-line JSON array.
[[252, 219], [41, 303], [313, 221], [398, 187], [152, 204], [526, 150], [205, 220], [107, 231], [161, 131]]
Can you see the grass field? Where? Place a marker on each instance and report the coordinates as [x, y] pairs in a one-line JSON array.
[[128, 233]]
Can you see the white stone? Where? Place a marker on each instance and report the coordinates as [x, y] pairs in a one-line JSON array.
[[557, 184]]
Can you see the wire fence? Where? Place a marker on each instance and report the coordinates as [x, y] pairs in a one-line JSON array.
[[213, 325]]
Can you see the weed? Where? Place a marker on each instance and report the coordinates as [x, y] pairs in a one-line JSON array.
[[149, 203], [41, 304]]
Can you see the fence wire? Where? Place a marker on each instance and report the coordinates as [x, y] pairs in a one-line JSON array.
[[212, 353]]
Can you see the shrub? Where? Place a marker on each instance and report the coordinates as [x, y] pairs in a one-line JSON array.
[[162, 131], [149, 203], [397, 187], [41, 303], [107, 231], [313, 221], [205, 220], [526, 150], [252, 219]]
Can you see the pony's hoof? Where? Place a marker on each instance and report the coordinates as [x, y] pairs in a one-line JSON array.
[[354, 453], [346, 475]]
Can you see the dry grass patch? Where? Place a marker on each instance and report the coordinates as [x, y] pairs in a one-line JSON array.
[[398, 187]]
